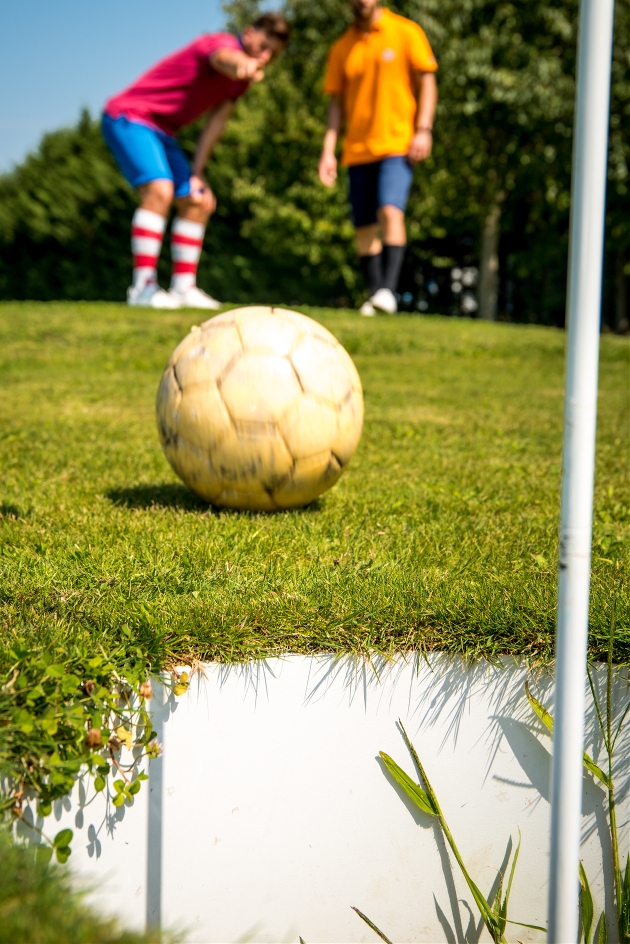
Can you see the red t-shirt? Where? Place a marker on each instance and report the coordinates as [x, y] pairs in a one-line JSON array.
[[180, 88]]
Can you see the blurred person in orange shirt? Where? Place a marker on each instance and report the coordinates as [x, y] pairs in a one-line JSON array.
[[380, 76]]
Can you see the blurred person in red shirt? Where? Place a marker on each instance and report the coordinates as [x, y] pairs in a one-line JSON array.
[[139, 126]]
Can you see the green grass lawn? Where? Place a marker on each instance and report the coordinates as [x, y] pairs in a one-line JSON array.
[[442, 534], [39, 903]]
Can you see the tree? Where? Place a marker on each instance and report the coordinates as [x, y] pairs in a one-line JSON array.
[[618, 214], [64, 220]]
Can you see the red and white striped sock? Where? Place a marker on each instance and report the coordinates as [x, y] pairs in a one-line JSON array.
[[147, 232], [186, 243]]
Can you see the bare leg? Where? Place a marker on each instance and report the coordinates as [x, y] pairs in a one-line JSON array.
[[198, 208], [156, 196], [368, 243], [392, 222]]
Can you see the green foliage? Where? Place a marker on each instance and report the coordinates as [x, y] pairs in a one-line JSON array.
[[64, 220], [618, 219], [70, 712], [38, 904], [503, 135], [505, 85]]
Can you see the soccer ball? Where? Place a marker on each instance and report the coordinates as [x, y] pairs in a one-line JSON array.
[[259, 408]]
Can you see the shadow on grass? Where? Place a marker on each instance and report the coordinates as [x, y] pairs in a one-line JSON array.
[[9, 510], [167, 495], [178, 496]]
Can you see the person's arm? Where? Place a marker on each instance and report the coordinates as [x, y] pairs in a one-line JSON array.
[[236, 64], [328, 161], [422, 141], [210, 134]]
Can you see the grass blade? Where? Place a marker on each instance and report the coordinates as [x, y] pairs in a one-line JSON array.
[[624, 905], [506, 900], [619, 726], [601, 935], [372, 925], [413, 791], [521, 924], [547, 720], [602, 726], [489, 918], [497, 904], [421, 771], [586, 900], [597, 772], [539, 708]]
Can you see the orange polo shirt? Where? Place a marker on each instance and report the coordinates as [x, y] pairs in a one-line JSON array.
[[373, 73]]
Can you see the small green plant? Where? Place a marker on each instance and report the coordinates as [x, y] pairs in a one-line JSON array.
[[610, 729], [493, 910], [600, 935], [62, 714]]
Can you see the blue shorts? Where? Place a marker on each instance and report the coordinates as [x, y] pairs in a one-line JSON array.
[[144, 154], [381, 183]]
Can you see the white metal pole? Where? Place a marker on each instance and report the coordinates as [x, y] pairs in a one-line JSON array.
[[590, 153]]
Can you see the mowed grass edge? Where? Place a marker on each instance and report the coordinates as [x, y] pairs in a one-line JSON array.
[[441, 535]]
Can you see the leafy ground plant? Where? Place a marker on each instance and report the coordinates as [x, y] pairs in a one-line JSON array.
[[69, 713], [493, 909]]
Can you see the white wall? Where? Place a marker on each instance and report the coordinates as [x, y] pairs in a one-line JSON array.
[[270, 814]]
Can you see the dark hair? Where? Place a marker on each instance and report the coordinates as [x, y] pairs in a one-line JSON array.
[[273, 24]]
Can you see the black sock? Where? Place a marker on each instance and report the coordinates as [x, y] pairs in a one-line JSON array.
[[392, 262], [372, 268]]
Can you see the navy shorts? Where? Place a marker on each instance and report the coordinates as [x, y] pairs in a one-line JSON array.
[[381, 183], [144, 154]]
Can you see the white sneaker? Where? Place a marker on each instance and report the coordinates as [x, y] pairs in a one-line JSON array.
[[195, 298], [385, 300], [367, 309], [150, 296]]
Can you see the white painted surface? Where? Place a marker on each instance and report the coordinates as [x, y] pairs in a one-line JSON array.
[[273, 815], [584, 302]]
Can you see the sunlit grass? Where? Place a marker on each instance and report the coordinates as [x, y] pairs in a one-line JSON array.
[[442, 535]]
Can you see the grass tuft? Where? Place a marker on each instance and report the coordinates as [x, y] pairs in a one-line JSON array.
[[39, 904]]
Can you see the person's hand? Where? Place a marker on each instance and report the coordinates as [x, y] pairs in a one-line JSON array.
[[250, 69], [328, 169], [420, 147], [237, 64], [201, 194]]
